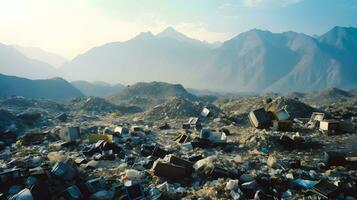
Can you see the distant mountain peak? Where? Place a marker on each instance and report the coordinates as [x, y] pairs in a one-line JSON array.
[[170, 29], [144, 35], [341, 37], [170, 32]]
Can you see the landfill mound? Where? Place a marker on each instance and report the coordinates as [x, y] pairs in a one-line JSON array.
[[145, 95], [296, 108], [179, 108], [328, 96], [100, 105], [345, 109]]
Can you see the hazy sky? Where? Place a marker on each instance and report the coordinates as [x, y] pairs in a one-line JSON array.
[[70, 27]]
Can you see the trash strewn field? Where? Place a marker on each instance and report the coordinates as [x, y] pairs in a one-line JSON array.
[[243, 148]]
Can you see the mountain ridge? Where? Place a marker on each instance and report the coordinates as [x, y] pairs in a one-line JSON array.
[[54, 88]]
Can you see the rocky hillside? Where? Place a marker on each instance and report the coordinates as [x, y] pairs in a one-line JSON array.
[[98, 89]]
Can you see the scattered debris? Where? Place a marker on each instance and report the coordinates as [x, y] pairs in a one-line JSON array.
[[89, 148]]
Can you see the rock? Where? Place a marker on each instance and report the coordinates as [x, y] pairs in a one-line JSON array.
[[238, 159], [232, 185], [133, 174], [272, 162], [55, 157]]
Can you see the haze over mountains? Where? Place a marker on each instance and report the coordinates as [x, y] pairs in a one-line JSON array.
[[12, 62], [254, 61], [41, 55]]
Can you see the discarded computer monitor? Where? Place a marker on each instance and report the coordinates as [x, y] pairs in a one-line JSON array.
[[317, 116], [64, 170], [181, 162], [315, 119], [168, 170], [259, 118]]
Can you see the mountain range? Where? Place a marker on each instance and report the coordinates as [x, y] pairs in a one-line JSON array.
[[253, 61], [55, 88], [41, 55], [13, 62]]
